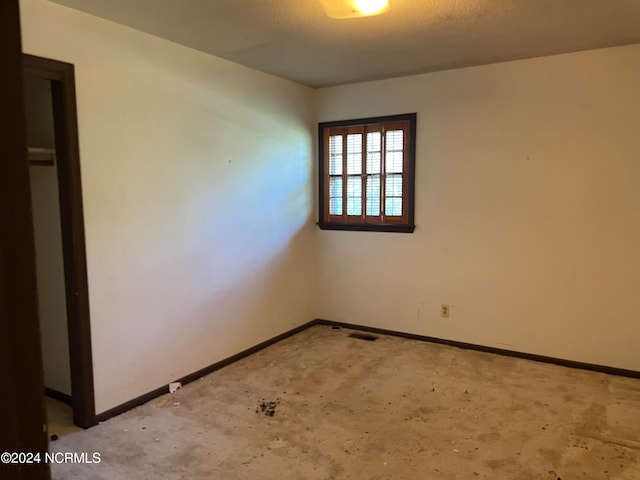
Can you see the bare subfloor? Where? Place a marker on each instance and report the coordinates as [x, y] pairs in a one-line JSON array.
[[321, 405], [59, 418]]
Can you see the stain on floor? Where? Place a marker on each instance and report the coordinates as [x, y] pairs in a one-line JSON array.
[[268, 408]]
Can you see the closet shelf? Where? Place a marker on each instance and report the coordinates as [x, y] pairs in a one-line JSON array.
[[41, 157]]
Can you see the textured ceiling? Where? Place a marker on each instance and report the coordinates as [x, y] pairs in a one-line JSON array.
[[295, 39]]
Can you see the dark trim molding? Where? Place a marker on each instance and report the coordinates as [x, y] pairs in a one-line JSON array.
[[367, 227], [63, 92], [361, 121], [142, 399], [57, 395], [482, 348]]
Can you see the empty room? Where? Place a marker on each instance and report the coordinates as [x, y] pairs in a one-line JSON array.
[[314, 239]]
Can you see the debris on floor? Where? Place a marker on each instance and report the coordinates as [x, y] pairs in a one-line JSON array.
[[174, 387], [268, 408], [335, 421]]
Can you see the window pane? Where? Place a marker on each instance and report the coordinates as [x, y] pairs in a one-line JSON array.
[[373, 162], [393, 207], [335, 155], [335, 206], [394, 140], [373, 142], [354, 195], [335, 187], [335, 145], [393, 186], [393, 162], [354, 153], [373, 195], [373, 152], [335, 195]]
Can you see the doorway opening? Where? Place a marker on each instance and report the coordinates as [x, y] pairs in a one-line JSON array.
[[61, 270]]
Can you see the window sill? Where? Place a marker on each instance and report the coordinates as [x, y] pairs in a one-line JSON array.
[[367, 227]]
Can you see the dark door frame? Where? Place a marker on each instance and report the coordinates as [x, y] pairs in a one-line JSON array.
[[65, 120], [22, 412]]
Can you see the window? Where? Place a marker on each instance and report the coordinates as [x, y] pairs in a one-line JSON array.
[[367, 174]]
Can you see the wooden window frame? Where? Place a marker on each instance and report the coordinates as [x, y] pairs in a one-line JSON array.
[[363, 222]]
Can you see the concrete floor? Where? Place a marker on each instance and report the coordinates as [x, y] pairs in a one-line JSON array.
[[59, 418], [394, 408]]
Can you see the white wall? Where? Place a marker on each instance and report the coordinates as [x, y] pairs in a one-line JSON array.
[[52, 304], [197, 188], [527, 209]]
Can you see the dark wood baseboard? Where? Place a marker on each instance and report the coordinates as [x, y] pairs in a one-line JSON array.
[[142, 399], [57, 395], [482, 348]]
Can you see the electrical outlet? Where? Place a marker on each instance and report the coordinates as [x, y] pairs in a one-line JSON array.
[[444, 310]]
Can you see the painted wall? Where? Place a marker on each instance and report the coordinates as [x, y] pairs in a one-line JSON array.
[[527, 209], [48, 240], [197, 187]]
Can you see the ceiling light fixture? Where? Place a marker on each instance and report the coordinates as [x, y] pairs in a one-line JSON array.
[[354, 8], [371, 7]]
